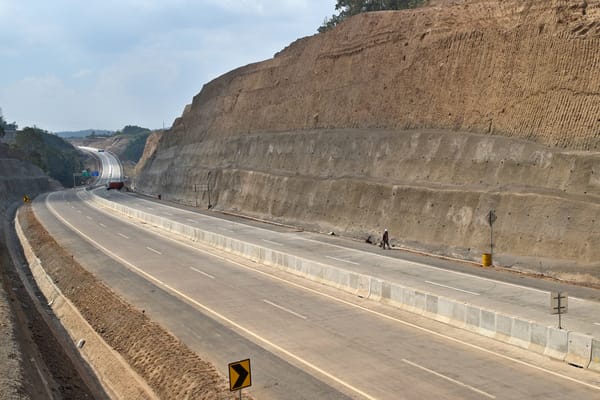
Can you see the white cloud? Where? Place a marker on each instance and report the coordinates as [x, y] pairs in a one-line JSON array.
[[82, 73], [262, 7], [109, 63]]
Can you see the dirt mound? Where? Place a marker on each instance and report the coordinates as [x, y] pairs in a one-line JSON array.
[[167, 365]]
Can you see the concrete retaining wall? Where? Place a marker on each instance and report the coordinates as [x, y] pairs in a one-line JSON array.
[[572, 347]]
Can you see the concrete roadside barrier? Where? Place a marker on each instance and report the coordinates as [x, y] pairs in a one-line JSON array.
[[572, 347], [580, 350], [595, 361], [557, 345]]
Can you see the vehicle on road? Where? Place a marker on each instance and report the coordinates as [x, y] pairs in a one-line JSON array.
[[114, 185]]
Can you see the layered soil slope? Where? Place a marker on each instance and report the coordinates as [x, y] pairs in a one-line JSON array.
[[19, 329], [420, 121]]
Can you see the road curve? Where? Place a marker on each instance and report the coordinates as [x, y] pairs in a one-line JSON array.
[[305, 341]]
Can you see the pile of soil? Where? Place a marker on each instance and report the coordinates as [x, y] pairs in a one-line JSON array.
[[169, 368], [35, 365]]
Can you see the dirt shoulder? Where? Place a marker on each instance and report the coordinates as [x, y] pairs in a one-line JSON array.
[[37, 365], [168, 367]]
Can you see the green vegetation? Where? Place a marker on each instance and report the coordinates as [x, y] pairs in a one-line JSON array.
[[348, 8], [84, 133], [56, 157], [133, 130], [136, 136], [135, 148]]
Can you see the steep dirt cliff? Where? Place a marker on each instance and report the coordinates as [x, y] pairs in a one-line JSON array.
[[21, 331], [420, 121]]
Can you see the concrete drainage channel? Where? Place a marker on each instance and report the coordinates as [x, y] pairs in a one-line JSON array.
[[572, 347]]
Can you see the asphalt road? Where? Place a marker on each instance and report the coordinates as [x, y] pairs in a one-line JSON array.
[[306, 341], [111, 169]]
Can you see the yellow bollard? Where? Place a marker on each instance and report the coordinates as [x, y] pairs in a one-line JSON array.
[[486, 259]]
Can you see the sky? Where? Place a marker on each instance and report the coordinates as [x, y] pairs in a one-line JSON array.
[[68, 65]]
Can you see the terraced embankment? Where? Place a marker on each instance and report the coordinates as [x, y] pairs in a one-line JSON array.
[[420, 121]]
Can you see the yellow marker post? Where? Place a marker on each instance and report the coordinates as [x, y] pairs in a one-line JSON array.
[[239, 375], [25, 199]]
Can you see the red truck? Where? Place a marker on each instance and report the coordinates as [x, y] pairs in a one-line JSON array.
[[114, 185]]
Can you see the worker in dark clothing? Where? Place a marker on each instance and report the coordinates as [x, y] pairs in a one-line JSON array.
[[386, 240]]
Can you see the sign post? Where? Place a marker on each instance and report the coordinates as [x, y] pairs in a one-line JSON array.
[[559, 304], [208, 188], [491, 217], [74, 175], [239, 375]]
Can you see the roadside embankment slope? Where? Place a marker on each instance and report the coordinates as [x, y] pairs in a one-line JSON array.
[[17, 178], [421, 121]]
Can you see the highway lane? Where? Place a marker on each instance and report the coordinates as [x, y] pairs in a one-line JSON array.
[[273, 377], [349, 346], [488, 289], [111, 169]]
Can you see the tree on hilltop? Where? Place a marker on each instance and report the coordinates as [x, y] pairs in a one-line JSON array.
[[2, 123], [134, 130], [55, 156], [348, 8]]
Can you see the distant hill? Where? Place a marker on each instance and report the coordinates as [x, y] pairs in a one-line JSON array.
[[85, 133], [127, 143], [52, 154]]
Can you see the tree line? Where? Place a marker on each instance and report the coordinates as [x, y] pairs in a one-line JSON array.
[[56, 157], [348, 8]]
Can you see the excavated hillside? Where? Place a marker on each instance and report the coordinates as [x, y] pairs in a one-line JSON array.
[[421, 121]]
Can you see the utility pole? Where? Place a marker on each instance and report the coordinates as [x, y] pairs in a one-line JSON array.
[[208, 187], [491, 219]]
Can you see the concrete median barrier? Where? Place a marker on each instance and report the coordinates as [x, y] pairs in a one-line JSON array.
[[580, 349], [595, 361], [557, 344], [572, 347]]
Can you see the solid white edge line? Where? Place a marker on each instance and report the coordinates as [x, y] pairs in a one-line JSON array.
[[491, 396], [342, 260], [597, 323], [451, 287], [449, 338], [202, 272], [211, 311], [285, 309]]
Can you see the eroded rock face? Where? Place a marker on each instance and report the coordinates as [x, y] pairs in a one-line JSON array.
[[19, 178], [421, 121]]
